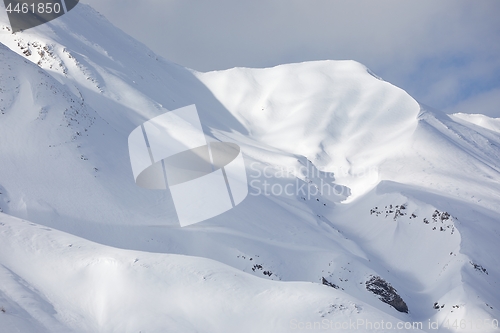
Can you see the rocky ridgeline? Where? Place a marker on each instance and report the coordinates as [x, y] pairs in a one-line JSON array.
[[439, 221], [260, 267]]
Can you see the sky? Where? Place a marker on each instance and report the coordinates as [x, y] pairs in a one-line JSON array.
[[444, 53]]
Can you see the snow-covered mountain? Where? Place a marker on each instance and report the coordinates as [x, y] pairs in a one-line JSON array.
[[410, 233]]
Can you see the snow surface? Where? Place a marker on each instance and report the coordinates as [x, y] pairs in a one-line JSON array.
[[101, 254], [63, 283]]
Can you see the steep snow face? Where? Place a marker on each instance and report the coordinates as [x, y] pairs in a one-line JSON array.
[[417, 210], [116, 75], [362, 129], [335, 113]]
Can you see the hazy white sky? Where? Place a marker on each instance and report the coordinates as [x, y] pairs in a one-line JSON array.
[[445, 53]]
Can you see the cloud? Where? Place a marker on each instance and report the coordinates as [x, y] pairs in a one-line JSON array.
[[441, 52], [487, 103]]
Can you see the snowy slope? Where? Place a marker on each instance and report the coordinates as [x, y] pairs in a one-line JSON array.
[[63, 283], [492, 124], [73, 89]]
